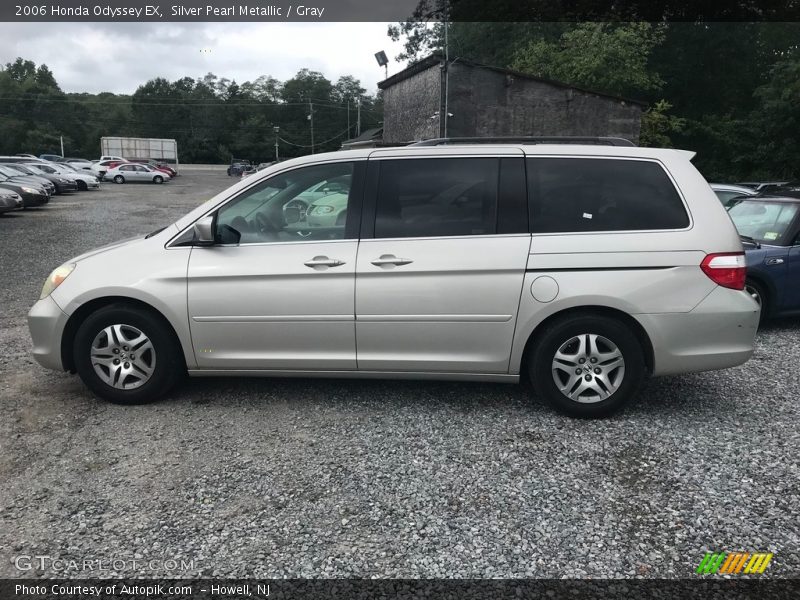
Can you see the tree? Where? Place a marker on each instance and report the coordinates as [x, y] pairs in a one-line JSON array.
[[607, 57]]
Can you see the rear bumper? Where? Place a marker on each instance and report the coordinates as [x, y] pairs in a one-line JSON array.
[[718, 333], [46, 322]]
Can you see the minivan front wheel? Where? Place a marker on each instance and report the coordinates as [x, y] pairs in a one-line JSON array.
[[126, 355], [587, 366]]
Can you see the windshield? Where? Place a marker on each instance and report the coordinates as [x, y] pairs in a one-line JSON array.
[[765, 222], [9, 172]]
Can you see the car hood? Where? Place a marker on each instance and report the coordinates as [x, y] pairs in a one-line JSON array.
[[160, 236]]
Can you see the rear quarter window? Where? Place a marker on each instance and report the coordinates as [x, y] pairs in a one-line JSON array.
[[568, 195]]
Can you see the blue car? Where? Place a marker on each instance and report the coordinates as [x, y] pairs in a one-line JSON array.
[[770, 231]]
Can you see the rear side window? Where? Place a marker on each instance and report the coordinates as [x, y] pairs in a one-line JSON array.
[[437, 197], [586, 194]]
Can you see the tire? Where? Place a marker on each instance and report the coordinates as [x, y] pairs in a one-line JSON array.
[[82, 187], [759, 293], [154, 365], [583, 341], [158, 179], [119, 179]]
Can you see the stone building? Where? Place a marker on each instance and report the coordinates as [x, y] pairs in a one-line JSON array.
[[488, 101]]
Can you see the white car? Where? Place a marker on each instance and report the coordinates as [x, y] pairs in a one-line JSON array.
[[108, 157], [100, 167], [79, 163], [135, 172], [84, 180]]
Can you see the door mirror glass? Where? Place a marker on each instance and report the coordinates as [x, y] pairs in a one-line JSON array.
[[204, 231], [291, 214]]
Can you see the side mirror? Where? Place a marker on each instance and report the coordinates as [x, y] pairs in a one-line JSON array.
[[204, 231], [291, 214]]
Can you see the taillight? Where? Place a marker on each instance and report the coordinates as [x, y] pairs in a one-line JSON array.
[[727, 269]]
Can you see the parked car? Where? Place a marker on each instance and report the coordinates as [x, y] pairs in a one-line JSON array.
[[763, 187], [9, 200], [32, 195], [156, 165], [583, 266], [239, 165], [35, 181], [726, 192], [100, 168], [79, 163], [132, 173], [63, 183], [770, 228], [26, 156], [260, 167], [50, 157], [326, 203], [83, 180], [109, 157]]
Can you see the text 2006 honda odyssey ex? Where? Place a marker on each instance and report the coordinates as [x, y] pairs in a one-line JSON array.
[[586, 267]]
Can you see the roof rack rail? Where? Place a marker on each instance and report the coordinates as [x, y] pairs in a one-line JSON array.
[[565, 139]]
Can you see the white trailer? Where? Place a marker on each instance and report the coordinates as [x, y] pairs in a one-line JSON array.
[[158, 149]]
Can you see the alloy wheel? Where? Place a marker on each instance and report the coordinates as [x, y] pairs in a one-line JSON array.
[[588, 368], [123, 357]]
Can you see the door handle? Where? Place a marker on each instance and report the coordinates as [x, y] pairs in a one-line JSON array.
[[323, 261], [391, 259]]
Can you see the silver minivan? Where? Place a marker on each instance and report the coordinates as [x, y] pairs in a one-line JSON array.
[[585, 268]]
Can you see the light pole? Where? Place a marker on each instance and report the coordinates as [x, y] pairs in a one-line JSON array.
[[277, 130], [311, 119]]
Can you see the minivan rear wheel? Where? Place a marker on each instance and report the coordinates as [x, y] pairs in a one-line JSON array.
[[127, 355], [587, 366]]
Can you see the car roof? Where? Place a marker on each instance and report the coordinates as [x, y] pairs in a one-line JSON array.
[[515, 149]]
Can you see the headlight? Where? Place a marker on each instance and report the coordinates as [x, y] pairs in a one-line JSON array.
[[55, 279], [30, 190], [63, 180], [322, 210]]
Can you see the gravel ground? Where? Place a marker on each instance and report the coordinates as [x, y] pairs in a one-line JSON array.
[[331, 478]]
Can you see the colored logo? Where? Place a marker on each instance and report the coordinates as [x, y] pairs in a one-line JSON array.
[[734, 563]]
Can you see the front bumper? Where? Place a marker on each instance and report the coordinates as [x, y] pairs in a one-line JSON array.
[[92, 185], [67, 187], [31, 200], [718, 333], [46, 322]]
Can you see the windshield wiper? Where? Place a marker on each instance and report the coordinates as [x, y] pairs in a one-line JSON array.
[[750, 240]]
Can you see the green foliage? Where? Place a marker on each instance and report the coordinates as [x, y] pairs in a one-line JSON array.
[[658, 126], [608, 57], [212, 118], [729, 91]]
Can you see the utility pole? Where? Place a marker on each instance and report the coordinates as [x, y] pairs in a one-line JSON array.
[[358, 119], [277, 130], [311, 119], [62, 146], [446, 71], [348, 118]]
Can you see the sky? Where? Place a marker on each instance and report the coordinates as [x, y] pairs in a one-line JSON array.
[[118, 57]]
